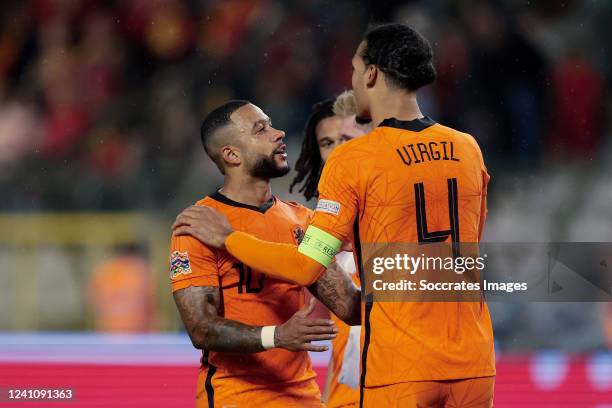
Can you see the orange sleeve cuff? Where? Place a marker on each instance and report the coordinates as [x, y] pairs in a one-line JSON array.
[[281, 261]]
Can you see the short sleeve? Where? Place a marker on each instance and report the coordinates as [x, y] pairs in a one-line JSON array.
[[191, 264], [338, 196]]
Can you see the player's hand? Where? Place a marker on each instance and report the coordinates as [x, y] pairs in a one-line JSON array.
[[297, 333], [347, 246], [204, 223]]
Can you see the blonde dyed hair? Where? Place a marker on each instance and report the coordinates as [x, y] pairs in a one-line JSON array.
[[345, 104]]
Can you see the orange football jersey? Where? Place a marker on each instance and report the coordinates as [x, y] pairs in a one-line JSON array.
[[411, 182], [275, 377]]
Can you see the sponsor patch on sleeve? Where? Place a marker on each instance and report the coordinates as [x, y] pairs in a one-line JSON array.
[[179, 264], [328, 206]]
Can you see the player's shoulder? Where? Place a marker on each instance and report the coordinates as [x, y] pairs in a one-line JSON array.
[[214, 200], [208, 201], [461, 138], [292, 205], [357, 149], [367, 140], [191, 244], [457, 134], [291, 211]]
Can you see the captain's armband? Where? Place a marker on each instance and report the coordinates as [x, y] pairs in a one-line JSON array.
[[319, 245]]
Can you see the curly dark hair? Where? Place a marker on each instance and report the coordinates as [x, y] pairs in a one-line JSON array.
[[310, 163], [403, 54]]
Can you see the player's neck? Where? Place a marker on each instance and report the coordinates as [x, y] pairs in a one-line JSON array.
[[251, 191], [395, 104]]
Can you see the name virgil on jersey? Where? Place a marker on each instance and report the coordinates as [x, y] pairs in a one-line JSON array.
[[416, 153]]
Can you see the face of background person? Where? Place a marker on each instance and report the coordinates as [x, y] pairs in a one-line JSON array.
[[333, 131], [262, 147]]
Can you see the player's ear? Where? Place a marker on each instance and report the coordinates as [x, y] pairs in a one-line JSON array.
[[231, 155], [371, 75]]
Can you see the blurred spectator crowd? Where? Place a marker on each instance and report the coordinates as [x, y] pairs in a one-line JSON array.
[[100, 101]]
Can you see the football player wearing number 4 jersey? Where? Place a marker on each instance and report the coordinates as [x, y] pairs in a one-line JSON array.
[[332, 123], [253, 329], [410, 180]]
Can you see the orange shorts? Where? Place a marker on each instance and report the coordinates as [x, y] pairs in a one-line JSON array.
[[468, 393], [233, 393]]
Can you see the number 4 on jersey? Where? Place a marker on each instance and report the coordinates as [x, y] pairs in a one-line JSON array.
[[426, 236]]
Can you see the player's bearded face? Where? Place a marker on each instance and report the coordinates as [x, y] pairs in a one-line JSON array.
[[270, 166], [262, 145]]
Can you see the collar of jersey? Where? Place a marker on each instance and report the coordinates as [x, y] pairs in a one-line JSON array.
[[415, 125], [217, 196]]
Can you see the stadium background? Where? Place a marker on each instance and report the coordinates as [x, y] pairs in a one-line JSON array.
[[100, 103]]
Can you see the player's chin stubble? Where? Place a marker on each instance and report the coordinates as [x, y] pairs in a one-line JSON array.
[[266, 167]]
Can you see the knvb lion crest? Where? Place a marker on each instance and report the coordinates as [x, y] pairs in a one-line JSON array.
[[298, 234], [179, 264]]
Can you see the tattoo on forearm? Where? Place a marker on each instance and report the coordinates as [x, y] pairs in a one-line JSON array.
[[198, 307], [336, 290]]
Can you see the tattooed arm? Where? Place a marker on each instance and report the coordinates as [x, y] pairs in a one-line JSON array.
[[336, 290], [199, 309]]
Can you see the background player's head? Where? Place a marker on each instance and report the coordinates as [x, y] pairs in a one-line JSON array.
[[390, 58], [331, 123], [238, 136]]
